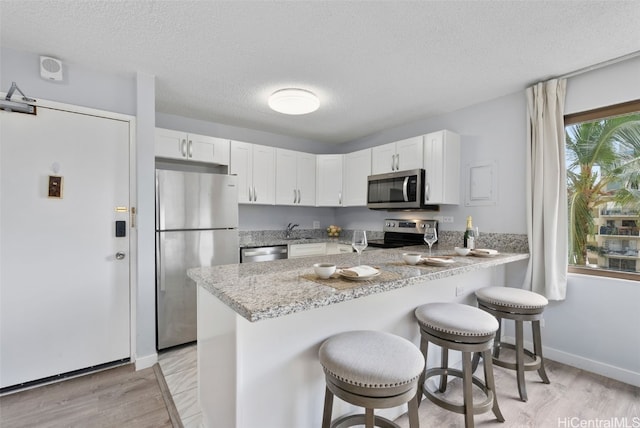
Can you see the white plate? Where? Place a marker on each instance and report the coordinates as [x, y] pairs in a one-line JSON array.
[[436, 261], [358, 278], [477, 254]]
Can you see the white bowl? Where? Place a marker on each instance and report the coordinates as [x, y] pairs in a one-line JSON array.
[[324, 270], [461, 251], [411, 258]]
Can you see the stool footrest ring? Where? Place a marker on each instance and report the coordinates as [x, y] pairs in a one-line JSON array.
[[351, 420], [479, 408], [528, 366]]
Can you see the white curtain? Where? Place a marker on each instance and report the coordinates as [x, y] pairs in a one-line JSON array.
[[547, 227]]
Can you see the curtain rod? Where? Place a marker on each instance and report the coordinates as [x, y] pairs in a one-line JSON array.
[[599, 65]]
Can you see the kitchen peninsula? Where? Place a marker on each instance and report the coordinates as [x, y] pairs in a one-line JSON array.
[[260, 326]]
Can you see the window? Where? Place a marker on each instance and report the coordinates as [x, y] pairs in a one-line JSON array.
[[603, 187]]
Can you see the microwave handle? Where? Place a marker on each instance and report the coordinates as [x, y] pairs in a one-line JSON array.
[[427, 189], [404, 189]]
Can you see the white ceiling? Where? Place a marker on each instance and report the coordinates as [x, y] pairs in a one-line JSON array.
[[374, 65]]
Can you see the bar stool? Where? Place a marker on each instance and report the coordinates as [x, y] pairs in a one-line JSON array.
[[467, 329], [370, 369], [518, 305]]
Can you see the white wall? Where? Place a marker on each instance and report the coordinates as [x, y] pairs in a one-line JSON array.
[[491, 131], [81, 86]]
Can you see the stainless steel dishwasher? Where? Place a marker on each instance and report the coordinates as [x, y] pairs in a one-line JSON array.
[[263, 254]]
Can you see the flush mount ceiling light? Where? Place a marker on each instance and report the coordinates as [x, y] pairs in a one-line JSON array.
[[294, 101]]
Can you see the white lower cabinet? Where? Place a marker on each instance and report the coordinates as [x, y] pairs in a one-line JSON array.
[[337, 248], [307, 250], [318, 249]]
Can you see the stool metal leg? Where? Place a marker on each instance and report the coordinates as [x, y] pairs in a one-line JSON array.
[[537, 350], [328, 408], [444, 364], [414, 421], [369, 418], [497, 340], [467, 389], [522, 388], [491, 384], [424, 346]]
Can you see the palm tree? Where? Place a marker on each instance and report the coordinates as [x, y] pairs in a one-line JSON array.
[[599, 155]]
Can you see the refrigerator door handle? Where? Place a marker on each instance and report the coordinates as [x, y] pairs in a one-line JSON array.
[[160, 274]]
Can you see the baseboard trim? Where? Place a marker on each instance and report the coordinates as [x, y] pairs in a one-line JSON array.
[[597, 367], [146, 361]]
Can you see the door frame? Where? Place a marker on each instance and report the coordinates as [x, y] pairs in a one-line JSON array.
[[133, 235]]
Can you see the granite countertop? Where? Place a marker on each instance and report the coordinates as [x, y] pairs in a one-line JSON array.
[[259, 291]]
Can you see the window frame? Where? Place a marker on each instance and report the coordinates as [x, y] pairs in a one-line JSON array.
[[587, 116]]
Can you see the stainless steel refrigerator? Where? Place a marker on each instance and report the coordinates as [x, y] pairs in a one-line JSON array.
[[196, 225]]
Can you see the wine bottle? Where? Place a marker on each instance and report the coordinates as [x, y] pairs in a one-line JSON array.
[[469, 235]]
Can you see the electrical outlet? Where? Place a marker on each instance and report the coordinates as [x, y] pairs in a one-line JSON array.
[[447, 219], [316, 225], [459, 290]]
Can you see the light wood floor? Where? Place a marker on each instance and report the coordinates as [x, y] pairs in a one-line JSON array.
[[118, 397], [573, 396], [122, 397]]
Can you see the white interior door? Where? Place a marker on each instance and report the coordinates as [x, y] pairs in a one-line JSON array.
[[64, 295]]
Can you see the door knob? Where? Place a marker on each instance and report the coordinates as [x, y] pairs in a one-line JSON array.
[[120, 255]]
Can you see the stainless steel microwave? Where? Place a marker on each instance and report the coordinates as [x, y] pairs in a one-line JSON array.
[[399, 190]]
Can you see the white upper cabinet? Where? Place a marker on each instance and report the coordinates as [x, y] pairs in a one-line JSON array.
[[357, 167], [170, 144], [399, 156], [255, 167], [295, 178], [442, 167], [329, 180]]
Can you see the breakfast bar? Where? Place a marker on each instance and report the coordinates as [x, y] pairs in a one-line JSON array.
[[260, 326]]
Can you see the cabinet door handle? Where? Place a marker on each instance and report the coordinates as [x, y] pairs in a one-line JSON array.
[[295, 196], [299, 197], [339, 198], [190, 148], [255, 195], [398, 162], [393, 162], [250, 196], [183, 148]]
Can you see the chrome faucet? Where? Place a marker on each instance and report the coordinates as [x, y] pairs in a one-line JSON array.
[[290, 228]]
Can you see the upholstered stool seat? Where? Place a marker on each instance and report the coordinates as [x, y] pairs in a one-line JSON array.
[[370, 369], [469, 330], [518, 305]]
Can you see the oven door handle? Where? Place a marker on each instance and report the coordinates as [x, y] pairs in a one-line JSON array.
[[404, 189]]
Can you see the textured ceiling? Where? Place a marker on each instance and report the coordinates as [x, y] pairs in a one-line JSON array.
[[374, 65]]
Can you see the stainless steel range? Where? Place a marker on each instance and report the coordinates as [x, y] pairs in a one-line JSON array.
[[401, 233]]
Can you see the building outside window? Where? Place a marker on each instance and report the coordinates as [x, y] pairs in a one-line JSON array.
[[602, 149]]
